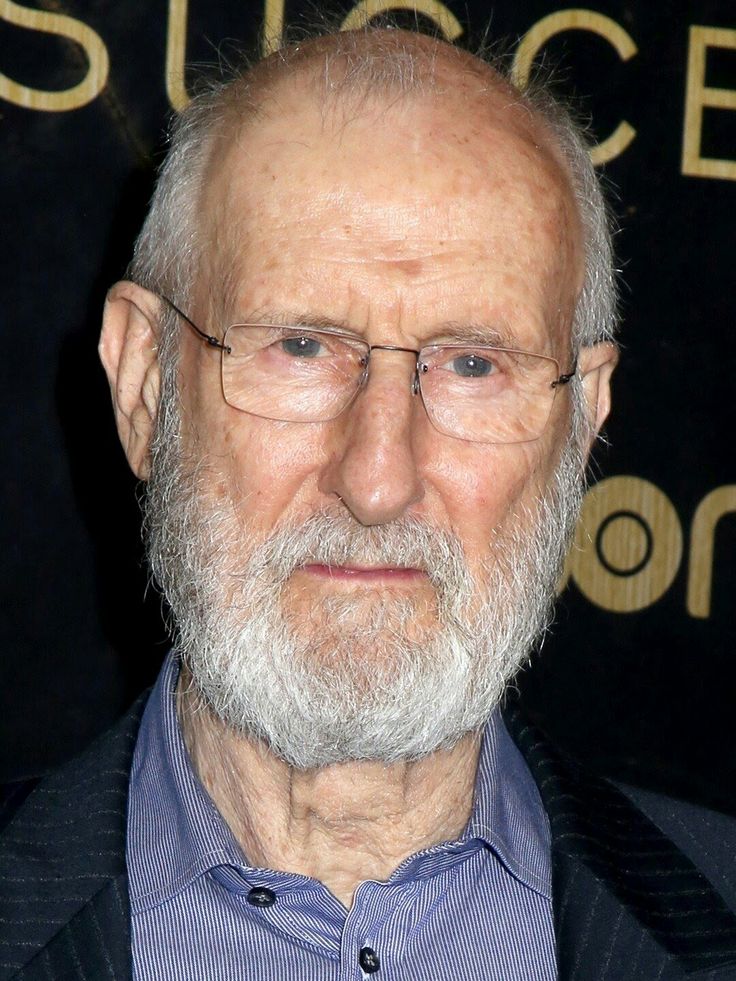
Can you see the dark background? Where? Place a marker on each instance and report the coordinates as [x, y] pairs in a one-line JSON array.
[[648, 695]]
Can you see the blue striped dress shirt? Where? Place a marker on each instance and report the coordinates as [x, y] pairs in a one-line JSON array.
[[476, 908]]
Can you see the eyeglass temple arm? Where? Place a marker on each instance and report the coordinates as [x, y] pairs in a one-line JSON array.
[[564, 379], [212, 341]]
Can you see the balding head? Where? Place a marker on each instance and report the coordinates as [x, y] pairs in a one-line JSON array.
[[343, 75]]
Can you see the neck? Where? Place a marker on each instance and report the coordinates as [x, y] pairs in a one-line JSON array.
[[340, 824]]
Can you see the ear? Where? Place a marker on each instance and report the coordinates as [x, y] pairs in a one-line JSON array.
[[128, 350], [596, 364]]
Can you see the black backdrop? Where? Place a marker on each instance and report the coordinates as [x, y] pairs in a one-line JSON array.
[[638, 674]]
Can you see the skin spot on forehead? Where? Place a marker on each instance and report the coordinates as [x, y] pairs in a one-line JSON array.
[[411, 268]]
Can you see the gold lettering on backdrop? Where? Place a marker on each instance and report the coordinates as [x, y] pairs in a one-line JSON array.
[[74, 30], [711, 509], [579, 20], [444, 18], [273, 26], [176, 45], [698, 96], [628, 545]]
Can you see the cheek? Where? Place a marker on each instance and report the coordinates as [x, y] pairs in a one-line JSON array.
[[236, 446], [482, 486], [265, 468], [481, 478]]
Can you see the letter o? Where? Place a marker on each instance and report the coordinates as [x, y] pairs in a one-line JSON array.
[[628, 545]]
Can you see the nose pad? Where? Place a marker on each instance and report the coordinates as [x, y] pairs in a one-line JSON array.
[[365, 363]]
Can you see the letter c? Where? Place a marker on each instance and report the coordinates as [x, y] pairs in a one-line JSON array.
[[442, 16], [578, 20]]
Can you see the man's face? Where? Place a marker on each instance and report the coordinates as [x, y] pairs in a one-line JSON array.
[[407, 226]]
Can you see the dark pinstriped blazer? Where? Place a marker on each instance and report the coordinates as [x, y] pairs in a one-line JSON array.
[[635, 896]]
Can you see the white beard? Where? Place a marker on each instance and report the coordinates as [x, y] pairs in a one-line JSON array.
[[362, 677]]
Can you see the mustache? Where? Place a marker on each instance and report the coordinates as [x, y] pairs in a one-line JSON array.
[[334, 538]]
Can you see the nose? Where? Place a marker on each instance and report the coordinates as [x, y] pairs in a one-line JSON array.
[[373, 466]]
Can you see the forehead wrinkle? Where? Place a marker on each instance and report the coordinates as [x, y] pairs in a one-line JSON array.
[[238, 213], [352, 301], [327, 72]]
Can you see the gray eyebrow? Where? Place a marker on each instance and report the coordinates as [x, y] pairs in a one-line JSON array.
[[293, 318], [455, 333]]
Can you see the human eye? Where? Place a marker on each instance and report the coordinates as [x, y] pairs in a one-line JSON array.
[[458, 363], [472, 365], [303, 346]]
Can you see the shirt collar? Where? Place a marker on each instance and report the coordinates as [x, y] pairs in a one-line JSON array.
[[508, 814], [175, 832]]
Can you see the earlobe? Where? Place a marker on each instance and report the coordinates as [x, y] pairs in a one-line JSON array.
[[596, 365], [128, 351]]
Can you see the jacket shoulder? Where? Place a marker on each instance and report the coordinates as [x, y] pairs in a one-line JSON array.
[[707, 837], [632, 871], [64, 844], [12, 796]]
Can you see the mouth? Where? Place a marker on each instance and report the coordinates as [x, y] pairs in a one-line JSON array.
[[358, 573]]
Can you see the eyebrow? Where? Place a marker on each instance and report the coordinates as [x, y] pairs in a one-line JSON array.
[[454, 333], [450, 332], [291, 318]]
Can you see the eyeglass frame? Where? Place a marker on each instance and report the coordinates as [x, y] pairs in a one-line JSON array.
[[214, 342]]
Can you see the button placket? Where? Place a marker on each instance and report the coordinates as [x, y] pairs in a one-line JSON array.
[[362, 953]]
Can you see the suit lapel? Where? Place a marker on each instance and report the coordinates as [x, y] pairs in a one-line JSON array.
[[94, 944], [63, 892], [615, 871]]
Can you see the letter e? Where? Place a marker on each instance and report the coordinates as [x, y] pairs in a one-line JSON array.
[[698, 95]]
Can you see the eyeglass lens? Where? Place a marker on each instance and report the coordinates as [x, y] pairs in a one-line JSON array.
[[474, 392]]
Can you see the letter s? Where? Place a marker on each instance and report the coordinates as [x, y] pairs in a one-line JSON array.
[[47, 23]]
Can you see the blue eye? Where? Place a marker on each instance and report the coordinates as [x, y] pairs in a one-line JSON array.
[[472, 366], [301, 347]]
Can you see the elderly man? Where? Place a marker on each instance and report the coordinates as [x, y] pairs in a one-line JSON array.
[[360, 361]]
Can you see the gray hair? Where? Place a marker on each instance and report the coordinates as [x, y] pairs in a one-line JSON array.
[[168, 253]]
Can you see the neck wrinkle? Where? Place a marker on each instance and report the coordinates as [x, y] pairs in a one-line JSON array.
[[341, 824]]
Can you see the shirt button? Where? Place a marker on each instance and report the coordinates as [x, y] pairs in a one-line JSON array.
[[261, 896], [368, 960]]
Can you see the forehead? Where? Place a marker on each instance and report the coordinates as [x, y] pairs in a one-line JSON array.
[[461, 182]]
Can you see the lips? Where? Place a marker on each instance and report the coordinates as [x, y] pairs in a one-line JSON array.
[[359, 573]]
